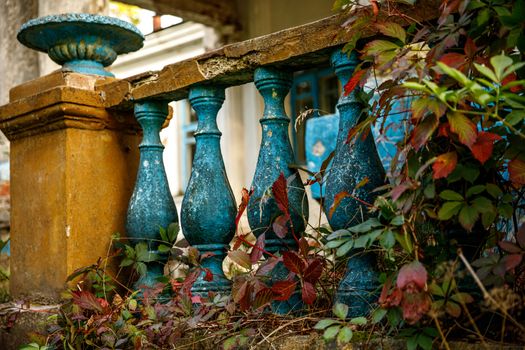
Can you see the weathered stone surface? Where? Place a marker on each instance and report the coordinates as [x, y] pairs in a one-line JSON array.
[[296, 48], [72, 162]]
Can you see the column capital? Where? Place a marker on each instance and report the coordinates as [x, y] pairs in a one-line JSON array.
[[61, 100]]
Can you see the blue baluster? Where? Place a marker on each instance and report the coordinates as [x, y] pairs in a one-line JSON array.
[[275, 155], [351, 164], [208, 208], [151, 205]]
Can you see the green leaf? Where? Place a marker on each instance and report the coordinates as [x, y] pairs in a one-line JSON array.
[[360, 321], [344, 336], [425, 342], [365, 226], [506, 210], [482, 204], [486, 72], [393, 30], [322, 324], [340, 310], [436, 290], [163, 234], [331, 332], [450, 195], [345, 248], [415, 86], [515, 116], [430, 191], [387, 239], [378, 315], [335, 243], [141, 268], [494, 190], [475, 190], [364, 241], [448, 210], [398, 220], [488, 218], [338, 234], [463, 298], [454, 73], [376, 47], [500, 63], [126, 262], [164, 248], [468, 217], [405, 241]]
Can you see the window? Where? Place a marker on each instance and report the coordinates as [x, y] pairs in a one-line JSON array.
[[316, 91], [189, 126]]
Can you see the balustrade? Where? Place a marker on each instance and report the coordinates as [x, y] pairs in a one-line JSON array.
[[208, 209]]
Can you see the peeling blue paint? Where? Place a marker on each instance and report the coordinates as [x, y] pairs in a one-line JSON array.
[[209, 208], [351, 164], [151, 206], [81, 42], [275, 155]]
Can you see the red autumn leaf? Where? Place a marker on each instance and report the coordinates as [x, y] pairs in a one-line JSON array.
[[415, 305], [304, 247], [313, 271], [511, 261], [196, 299], [244, 203], [389, 298], [308, 293], [257, 251], [444, 130], [423, 131], [208, 275], [86, 300], [239, 289], [239, 240], [463, 127], [280, 225], [399, 190], [413, 272], [454, 60], [293, 262], [268, 265], [517, 172], [510, 78], [509, 247], [357, 77], [375, 7], [520, 236], [337, 201], [444, 165], [283, 290], [482, 148], [262, 298], [280, 194], [470, 48]]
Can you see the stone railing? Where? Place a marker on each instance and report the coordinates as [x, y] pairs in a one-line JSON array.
[[74, 151]]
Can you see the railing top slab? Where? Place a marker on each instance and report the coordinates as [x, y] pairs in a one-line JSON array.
[[295, 48]]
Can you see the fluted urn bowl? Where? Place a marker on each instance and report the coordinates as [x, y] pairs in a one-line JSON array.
[[81, 42]]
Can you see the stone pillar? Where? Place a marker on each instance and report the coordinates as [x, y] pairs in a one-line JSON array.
[[72, 174]]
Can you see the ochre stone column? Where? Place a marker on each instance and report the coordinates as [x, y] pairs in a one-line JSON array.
[[73, 166]]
